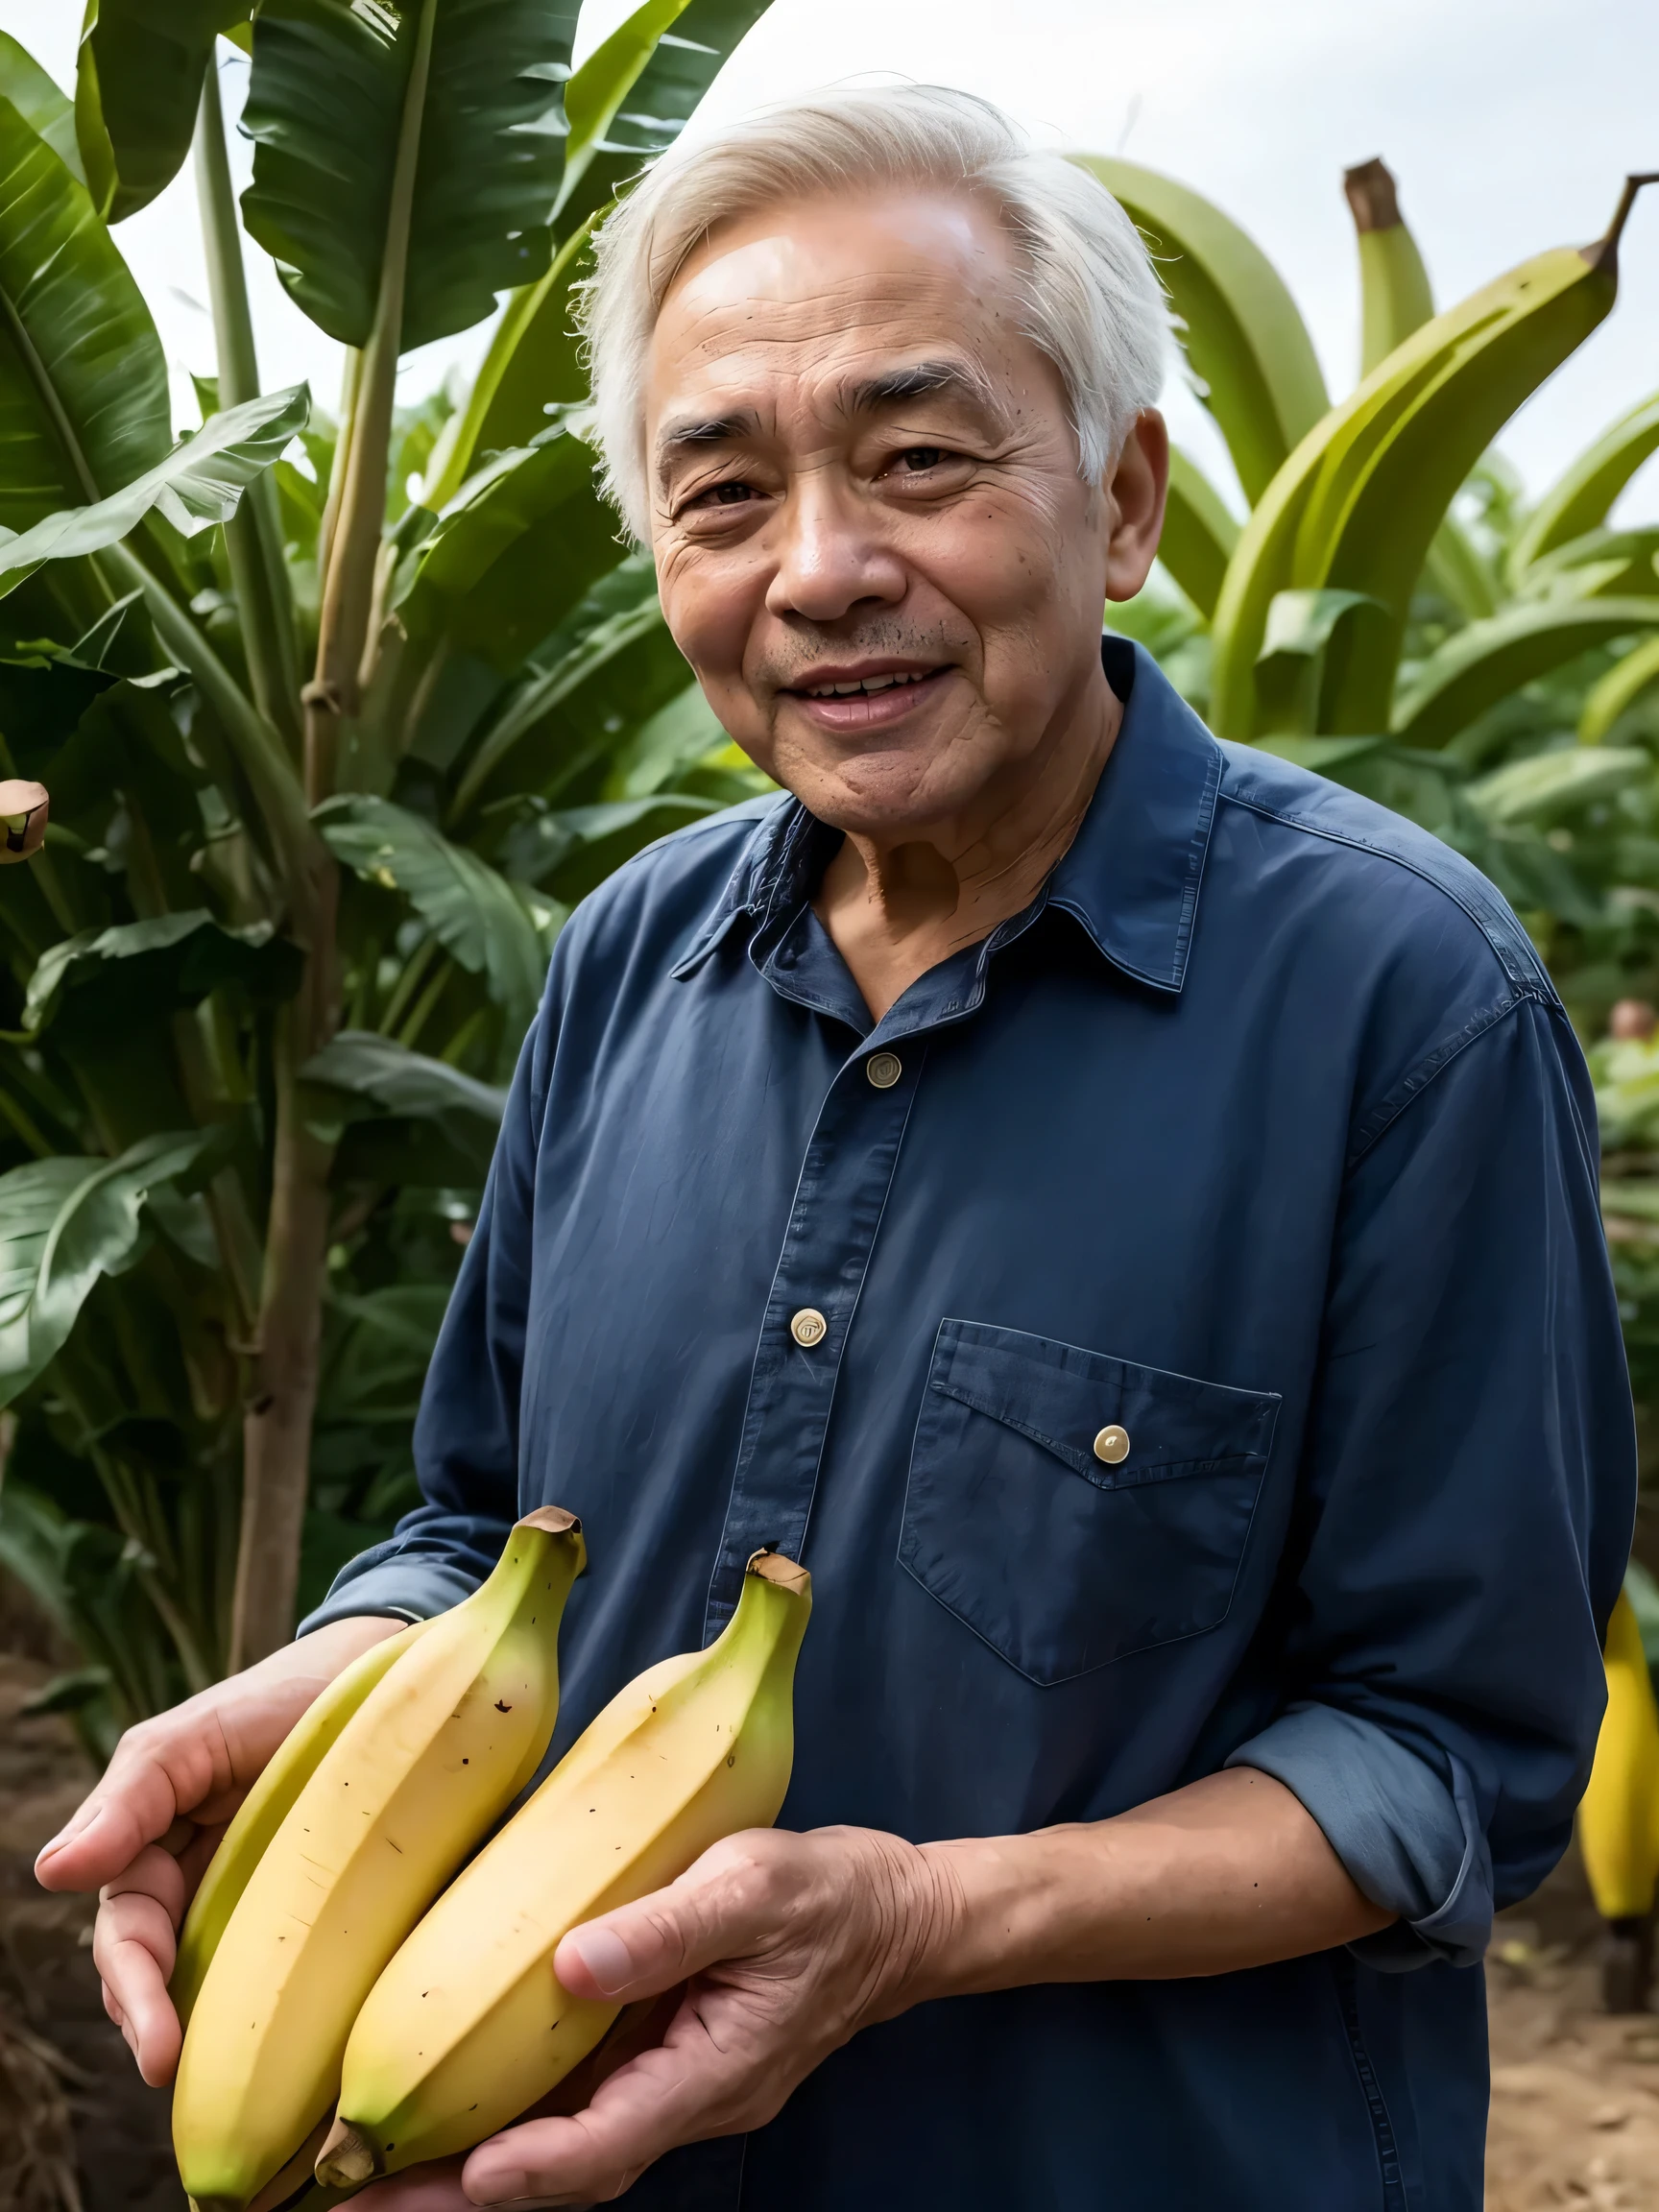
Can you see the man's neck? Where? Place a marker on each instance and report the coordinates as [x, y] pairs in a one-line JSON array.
[[895, 906]]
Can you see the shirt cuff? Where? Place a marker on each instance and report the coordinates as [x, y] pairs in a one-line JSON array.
[[405, 1585], [1411, 1842]]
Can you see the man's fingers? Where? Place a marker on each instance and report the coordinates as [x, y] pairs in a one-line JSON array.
[[680, 2092], [434, 2188], [154, 1776], [716, 1911], [156, 1874], [132, 1948]]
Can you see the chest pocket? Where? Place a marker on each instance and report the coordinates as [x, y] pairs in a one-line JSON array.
[[1060, 1556]]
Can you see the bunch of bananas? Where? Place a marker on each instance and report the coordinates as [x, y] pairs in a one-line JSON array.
[[1307, 603], [308, 1979]]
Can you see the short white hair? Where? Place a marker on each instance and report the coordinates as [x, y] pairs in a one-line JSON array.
[[1091, 299]]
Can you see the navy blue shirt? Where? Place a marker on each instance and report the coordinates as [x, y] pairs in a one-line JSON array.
[[1259, 1139]]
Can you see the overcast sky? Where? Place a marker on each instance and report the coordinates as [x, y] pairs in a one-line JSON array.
[[1509, 124]]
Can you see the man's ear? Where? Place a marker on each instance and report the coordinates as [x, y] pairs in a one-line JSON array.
[[1136, 489]]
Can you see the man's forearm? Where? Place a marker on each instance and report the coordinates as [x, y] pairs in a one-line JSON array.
[[1229, 1872]]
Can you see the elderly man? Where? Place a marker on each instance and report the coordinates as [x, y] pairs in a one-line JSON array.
[[1122, 1210]]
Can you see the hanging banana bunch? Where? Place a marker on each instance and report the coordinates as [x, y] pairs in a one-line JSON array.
[[1619, 1818]]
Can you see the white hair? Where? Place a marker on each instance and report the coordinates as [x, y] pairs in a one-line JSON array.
[[1091, 298]]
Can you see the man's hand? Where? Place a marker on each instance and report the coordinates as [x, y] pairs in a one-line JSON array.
[[145, 1834], [786, 1945]]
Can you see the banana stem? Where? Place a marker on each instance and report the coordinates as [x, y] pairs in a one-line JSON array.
[[283, 1367], [252, 537], [334, 693], [348, 2159], [257, 748], [1605, 253]]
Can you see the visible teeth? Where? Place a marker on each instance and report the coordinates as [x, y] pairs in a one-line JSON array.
[[865, 684]]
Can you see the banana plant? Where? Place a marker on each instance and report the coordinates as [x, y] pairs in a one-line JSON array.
[[311, 730]]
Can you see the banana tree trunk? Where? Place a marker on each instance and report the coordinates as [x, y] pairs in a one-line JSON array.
[[284, 1361], [282, 1394]]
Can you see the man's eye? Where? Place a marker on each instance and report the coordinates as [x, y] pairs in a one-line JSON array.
[[916, 460], [731, 493]]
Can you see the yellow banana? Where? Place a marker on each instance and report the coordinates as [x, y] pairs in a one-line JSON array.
[[466, 2027], [1619, 1818], [265, 1808], [431, 1758]]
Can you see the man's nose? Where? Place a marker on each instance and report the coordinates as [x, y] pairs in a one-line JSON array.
[[832, 555]]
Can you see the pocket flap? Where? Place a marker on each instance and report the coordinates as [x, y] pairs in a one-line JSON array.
[[1064, 1398]]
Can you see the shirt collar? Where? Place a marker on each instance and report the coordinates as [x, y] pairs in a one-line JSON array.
[[1130, 877]]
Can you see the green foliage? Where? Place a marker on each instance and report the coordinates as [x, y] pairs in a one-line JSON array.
[[220, 943], [327, 108], [137, 90]]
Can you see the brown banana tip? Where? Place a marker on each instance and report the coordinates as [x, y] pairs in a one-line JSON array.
[[772, 1567], [1373, 196], [347, 2158], [1605, 253], [554, 1520]]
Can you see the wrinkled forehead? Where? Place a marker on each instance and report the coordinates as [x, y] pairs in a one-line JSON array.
[[808, 294]]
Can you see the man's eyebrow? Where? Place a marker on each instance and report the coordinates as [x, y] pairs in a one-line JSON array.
[[921, 380], [704, 430]]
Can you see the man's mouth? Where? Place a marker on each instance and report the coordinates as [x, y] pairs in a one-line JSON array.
[[848, 700], [864, 684]]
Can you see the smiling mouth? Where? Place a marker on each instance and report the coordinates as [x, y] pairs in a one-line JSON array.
[[866, 684]]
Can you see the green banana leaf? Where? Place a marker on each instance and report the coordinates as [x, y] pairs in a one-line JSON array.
[[1582, 496], [597, 90], [1459, 571], [324, 110], [572, 707], [199, 484], [619, 126], [670, 741], [1479, 665], [533, 364], [570, 849], [1199, 533], [136, 972], [510, 556], [1540, 790], [83, 380], [1249, 347], [39, 100], [138, 88], [64, 1223], [1603, 564], [533, 361], [1635, 673], [386, 1106], [488, 926]]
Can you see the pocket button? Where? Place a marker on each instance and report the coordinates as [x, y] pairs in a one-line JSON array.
[[1112, 1445]]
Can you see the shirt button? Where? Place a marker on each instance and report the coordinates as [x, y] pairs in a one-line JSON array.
[[1112, 1445], [883, 1069], [808, 1327]]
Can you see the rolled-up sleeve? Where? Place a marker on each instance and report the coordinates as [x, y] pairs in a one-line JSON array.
[[467, 1432], [1466, 1498]]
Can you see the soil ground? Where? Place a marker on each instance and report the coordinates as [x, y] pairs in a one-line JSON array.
[[1575, 2093]]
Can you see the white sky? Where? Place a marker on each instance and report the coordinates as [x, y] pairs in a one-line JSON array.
[[1508, 123]]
